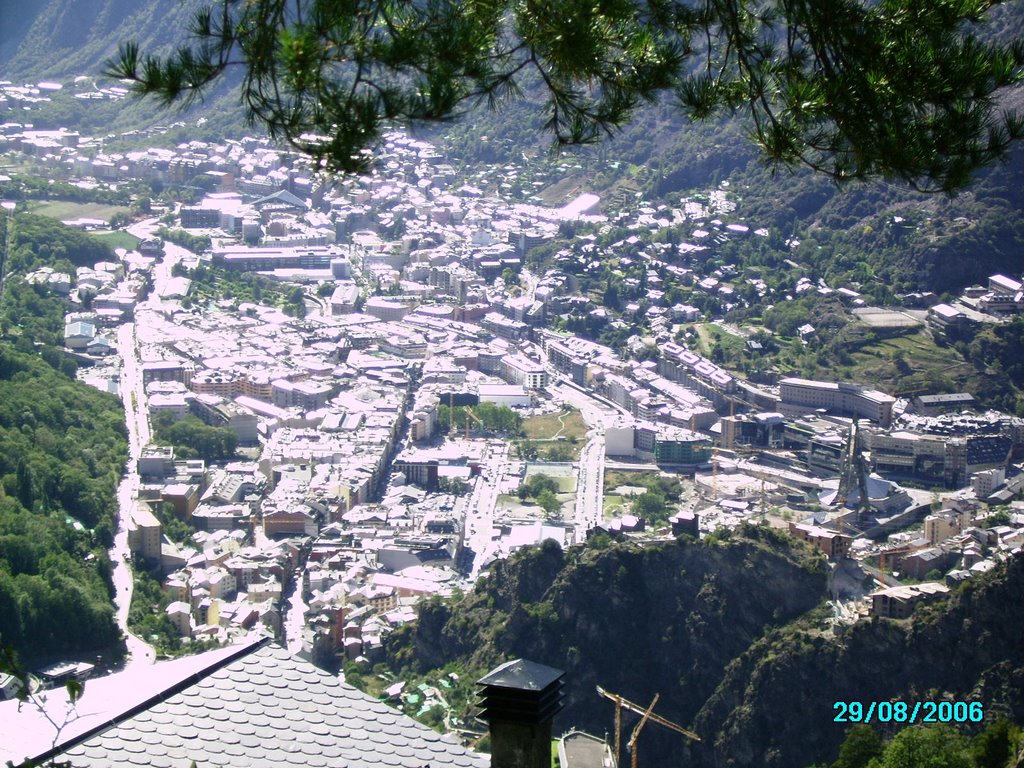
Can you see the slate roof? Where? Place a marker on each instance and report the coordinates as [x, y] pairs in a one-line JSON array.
[[267, 708]]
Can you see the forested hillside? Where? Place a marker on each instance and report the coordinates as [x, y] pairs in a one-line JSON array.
[[69, 42], [62, 448]]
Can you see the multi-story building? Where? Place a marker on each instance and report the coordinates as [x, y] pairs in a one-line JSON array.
[[222, 383], [931, 405], [985, 482], [899, 602], [249, 259], [215, 412], [308, 395], [505, 327], [423, 421], [565, 360], [691, 449], [666, 444], [834, 545], [519, 369], [198, 217], [387, 308], [950, 460], [167, 370], [804, 395], [145, 534], [943, 525], [762, 430], [156, 461]]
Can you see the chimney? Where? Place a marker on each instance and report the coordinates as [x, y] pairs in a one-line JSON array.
[[519, 700]]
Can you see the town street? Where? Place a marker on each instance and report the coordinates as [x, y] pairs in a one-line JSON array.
[[138, 435], [589, 507], [137, 421]]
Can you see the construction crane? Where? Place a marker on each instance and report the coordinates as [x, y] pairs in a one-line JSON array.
[[645, 715], [470, 415]]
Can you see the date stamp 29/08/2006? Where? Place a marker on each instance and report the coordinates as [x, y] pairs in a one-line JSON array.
[[908, 712]]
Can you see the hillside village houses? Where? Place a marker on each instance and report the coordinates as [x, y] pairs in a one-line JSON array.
[[341, 485]]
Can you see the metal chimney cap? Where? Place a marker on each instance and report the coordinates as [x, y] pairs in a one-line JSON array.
[[522, 675]]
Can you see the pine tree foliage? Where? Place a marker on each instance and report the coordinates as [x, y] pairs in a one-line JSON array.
[[898, 89]]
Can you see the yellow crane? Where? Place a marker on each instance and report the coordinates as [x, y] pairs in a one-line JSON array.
[[646, 714], [470, 415]]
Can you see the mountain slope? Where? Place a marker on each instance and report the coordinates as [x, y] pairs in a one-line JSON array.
[[60, 38], [667, 618], [732, 634], [775, 705]]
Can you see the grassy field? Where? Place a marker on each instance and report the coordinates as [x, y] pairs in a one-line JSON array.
[[550, 425], [117, 239], [613, 478], [554, 450], [63, 210], [614, 505], [910, 364], [711, 336], [562, 471], [566, 484]]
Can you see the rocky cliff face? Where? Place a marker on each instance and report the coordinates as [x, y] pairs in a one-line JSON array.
[[735, 637], [666, 619], [774, 706]]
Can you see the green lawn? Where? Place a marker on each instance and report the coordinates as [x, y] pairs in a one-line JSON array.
[[613, 504], [566, 484], [117, 239], [66, 209], [613, 478]]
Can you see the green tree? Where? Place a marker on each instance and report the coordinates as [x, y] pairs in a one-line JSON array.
[[997, 518], [549, 502], [651, 506], [899, 89], [208, 443], [535, 485], [611, 295], [25, 488], [995, 746], [931, 747], [859, 747]]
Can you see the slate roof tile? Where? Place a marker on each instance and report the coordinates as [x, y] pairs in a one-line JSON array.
[[268, 709]]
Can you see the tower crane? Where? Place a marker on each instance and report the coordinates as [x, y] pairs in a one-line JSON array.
[[470, 415], [647, 714]]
